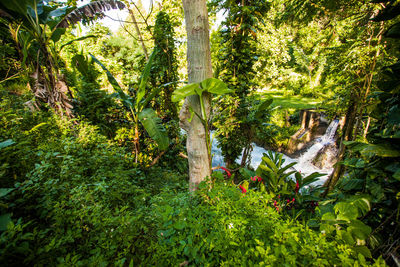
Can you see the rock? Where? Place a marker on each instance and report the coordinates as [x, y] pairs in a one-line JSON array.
[[326, 157]]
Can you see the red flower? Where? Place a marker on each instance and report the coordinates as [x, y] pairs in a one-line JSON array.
[[276, 205], [227, 172], [259, 179], [296, 190], [293, 199], [244, 190], [253, 178]]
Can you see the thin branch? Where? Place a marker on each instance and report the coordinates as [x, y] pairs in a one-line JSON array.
[[124, 21], [11, 77]]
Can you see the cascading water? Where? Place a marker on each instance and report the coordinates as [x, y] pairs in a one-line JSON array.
[[303, 162]]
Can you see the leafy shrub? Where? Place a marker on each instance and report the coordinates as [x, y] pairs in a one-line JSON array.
[[77, 199], [221, 226]]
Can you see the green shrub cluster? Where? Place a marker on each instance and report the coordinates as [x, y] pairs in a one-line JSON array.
[[71, 197], [222, 226]]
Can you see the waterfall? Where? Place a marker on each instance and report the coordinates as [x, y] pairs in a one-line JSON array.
[[330, 132], [303, 162]]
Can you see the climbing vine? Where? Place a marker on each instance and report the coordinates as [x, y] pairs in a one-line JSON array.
[[236, 59], [164, 70]]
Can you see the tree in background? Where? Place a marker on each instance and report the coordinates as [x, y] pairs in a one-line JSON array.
[[164, 71], [237, 56]]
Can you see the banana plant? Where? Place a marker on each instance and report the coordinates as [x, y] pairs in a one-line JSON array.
[[138, 107], [36, 27], [212, 86]]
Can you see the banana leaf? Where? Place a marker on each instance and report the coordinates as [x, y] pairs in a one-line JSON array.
[[154, 127], [143, 81]]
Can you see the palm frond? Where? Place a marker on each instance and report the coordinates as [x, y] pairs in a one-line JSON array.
[[89, 12]]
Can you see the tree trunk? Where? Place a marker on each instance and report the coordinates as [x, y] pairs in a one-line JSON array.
[[199, 68], [139, 34]]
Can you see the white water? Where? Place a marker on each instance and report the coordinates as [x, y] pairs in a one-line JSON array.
[[303, 162]]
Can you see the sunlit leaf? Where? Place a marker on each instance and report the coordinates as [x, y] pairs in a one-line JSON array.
[[153, 125], [184, 91], [215, 86]]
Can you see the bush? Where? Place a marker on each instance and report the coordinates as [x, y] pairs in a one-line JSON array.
[[221, 226], [77, 199]]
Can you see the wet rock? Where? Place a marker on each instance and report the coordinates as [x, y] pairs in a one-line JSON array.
[[326, 158]]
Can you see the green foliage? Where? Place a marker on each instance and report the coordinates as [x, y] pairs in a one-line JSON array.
[[137, 107], [93, 103], [221, 226], [165, 66], [154, 128], [235, 67], [73, 197], [342, 222], [207, 86], [294, 194], [9, 60]]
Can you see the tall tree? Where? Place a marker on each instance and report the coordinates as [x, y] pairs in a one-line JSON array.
[[237, 57], [165, 67], [199, 69]]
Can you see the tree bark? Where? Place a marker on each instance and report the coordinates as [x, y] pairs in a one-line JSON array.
[[199, 68], [139, 34]]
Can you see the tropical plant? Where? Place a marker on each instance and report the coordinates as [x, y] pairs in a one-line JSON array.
[[36, 27], [208, 86], [164, 68], [236, 57], [343, 221], [138, 107]]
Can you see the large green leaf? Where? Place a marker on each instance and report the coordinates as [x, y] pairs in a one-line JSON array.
[[184, 91], [359, 230], [380, 150], [363, 250], [262, 107], [215, 86], [4, 220], [126, 99], [5, 191], [143, 81], [6, 143], [56, 35], [19, 6], [154, 127], [311, 178], [75, 40]]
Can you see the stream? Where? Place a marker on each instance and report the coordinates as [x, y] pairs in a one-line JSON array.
[[304, 161]]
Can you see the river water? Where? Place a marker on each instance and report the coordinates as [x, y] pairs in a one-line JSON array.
[[304, 161]]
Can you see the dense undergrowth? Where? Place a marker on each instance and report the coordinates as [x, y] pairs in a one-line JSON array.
[[77, 199]]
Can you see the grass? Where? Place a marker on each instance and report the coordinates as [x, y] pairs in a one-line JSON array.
[[291, 102]]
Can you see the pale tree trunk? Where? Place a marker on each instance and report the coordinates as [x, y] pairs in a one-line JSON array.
[[199, 68], [139, 34]]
